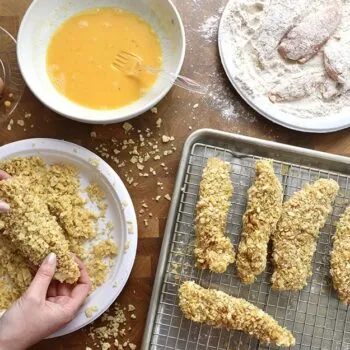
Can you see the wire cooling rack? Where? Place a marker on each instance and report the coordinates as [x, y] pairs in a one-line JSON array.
[[315, 315]]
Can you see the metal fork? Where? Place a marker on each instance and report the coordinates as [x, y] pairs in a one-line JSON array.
[[131, 65]]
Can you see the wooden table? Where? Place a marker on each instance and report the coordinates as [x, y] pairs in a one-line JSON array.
[[223, 110]]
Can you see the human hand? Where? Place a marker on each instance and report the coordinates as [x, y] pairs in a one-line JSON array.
[[4, 207], [46, 307]]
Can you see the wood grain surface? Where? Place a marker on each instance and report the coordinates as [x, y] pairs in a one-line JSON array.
[[223, 109]]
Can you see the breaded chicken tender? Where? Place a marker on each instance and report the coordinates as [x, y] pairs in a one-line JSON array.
[[340, 258], [295, 239], [31, 228], [220, 310], [259, 221], [213, 250]]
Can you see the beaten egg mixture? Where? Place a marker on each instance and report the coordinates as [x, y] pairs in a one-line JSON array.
[[81, 53]]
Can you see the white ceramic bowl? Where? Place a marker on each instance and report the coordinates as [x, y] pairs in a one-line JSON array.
[[44, 17]]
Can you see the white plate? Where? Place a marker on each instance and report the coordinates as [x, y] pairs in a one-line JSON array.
[[120, 213], [262, 104], [44, 17]]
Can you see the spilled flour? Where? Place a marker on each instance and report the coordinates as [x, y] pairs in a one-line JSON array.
[[209, 28], [252, 31]]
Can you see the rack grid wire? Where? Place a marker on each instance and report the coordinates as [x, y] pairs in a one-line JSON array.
[[315, 315]]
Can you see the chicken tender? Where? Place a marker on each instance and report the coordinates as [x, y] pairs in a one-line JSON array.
[[301, 87], [295, 239], [31, 228], [221, 310], [340, 258], [304, 40], [213, 250], [337, 62], [281, 15], [259, 222]]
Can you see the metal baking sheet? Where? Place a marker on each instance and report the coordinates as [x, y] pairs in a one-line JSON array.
[[315, 315]]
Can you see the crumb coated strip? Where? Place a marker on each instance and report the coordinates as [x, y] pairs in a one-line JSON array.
[[221, 310], [295, 239], [31, 228], [214, 250], [340, 258], [259, 221]]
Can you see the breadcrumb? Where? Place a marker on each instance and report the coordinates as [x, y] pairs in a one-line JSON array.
[[221, 310], [340, 258], [259, 222], [214, 250], [295, 239], [13, 267], [90, 311], [104, 249]]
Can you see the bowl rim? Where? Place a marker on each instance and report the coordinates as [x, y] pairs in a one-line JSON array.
[[101, 120]]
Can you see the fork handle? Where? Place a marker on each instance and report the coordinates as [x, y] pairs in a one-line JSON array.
[[180, 81]]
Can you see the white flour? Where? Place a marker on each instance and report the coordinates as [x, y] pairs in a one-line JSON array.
[[209, 28], [253, 31]]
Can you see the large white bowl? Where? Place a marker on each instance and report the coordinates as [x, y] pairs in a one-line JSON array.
[[44, 17]]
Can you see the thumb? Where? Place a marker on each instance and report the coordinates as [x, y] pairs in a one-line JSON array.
[[43, 277]]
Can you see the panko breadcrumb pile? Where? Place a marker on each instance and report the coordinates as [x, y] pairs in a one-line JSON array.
[[48, 214]]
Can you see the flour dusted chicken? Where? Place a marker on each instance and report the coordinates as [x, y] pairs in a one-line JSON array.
[[221, 310], [264, 208], [340, 258], [305, 39], [31, 228], [213, 250], [295, 239], [337, 62], [280, 16], [303, 86]]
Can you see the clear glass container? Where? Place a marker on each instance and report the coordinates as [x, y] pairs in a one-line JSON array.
[[10, 74]]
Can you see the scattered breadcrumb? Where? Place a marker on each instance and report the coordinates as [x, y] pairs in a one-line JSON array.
[[93, 134], [168, 197], [340, 257], [259, 221], [165, 139], [127, 127], [154, 110], [94, 162], [213, 250], [295, 239], [221, 310], [131, 308], [90, 311], [112, 330], [97, 195]]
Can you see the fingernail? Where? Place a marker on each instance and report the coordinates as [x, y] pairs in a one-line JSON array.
[[51, 259], [4, 206]]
